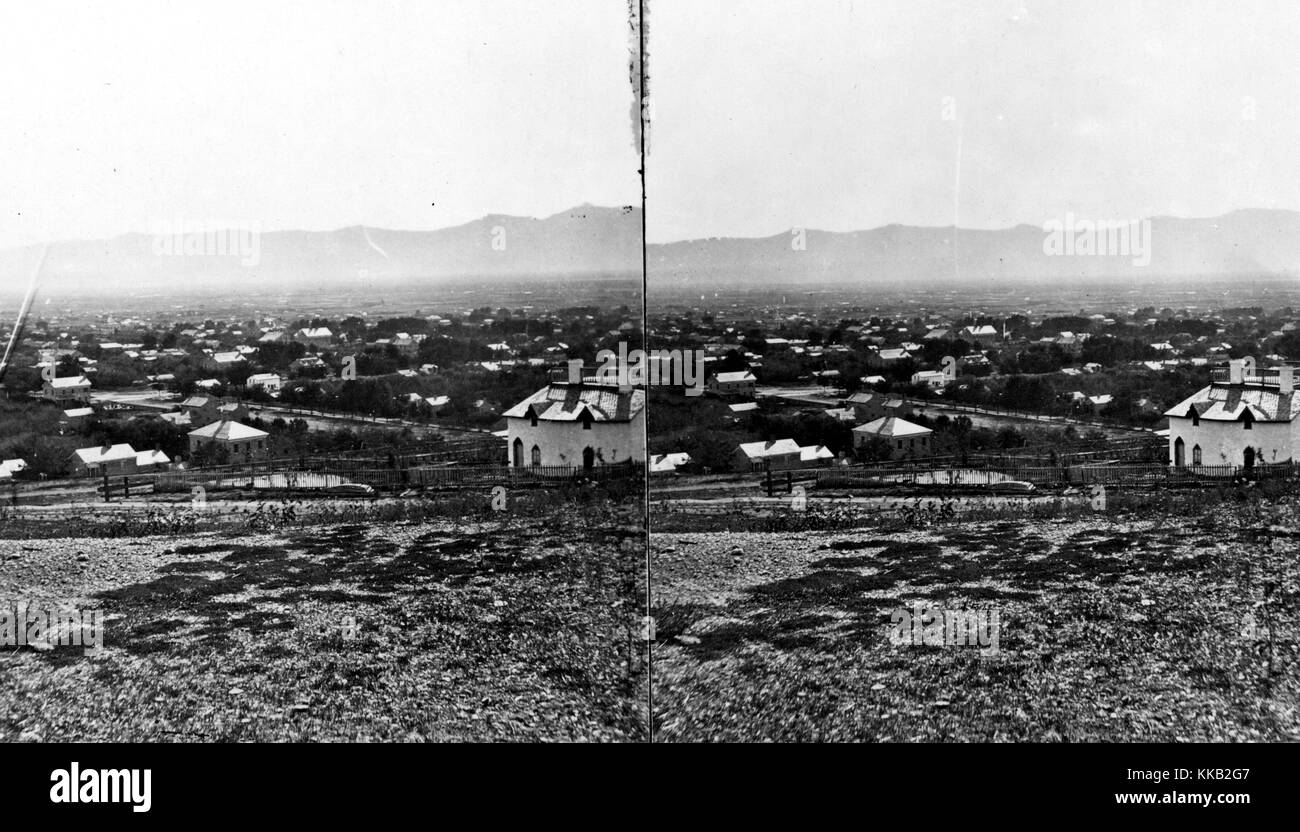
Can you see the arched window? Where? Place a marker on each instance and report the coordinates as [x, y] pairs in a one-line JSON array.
[[537, 456], [1196, 454], [1247, 419], [517, 455], [532, 417]]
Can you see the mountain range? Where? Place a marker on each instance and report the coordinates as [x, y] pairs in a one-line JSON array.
[[1249, 242], [586, 241], [591, 241]]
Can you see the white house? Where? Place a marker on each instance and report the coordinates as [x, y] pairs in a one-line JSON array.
[[1244, 421], [225, 359], [811, 456], [320, 336], [668, 463], [77, 414], [269, 382], [983, 334], [114, 460], [243, 443], [906, 439], [585, 424], [436, 404], [9, 467], [67, 389], [774, 454], [933, 379], [152, 461], [739, 383]]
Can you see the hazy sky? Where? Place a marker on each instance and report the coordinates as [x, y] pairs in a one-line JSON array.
[[773, 114], [313, 115]]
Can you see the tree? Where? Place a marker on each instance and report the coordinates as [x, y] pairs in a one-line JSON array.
[[873, 449]]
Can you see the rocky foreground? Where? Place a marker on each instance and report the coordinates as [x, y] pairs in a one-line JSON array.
[[1109, 629], [522, 630]]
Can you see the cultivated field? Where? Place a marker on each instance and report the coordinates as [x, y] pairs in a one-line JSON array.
[[525, 628], [1112, 628]]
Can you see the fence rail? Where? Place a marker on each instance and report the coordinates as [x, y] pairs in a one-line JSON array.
[[1152, 475], [393, 479]]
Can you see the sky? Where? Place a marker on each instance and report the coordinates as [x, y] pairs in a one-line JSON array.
[[309, 115], [767, 114], [771, 114]]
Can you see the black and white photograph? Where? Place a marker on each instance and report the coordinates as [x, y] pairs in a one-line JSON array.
[[304, 435], [996, 310], [647, 372]]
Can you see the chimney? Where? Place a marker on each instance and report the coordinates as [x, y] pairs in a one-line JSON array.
[[1236, 371], [1285, 379]]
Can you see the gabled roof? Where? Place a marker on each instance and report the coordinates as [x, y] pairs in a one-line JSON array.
[[69, 381], [739, 375], [97, 455], [812, 453], [1228, 402], [564, 402], [778, 447]]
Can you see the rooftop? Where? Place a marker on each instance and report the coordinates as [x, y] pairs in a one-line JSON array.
[[228, 431], [892, 426], [562, 401]]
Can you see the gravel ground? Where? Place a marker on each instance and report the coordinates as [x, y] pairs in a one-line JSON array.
[[516, 630], [1109, 629]]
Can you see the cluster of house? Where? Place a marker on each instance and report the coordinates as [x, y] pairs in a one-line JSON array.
[[780, 454], [241, 443], [887, 343], [882, 418], [117, 460]]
